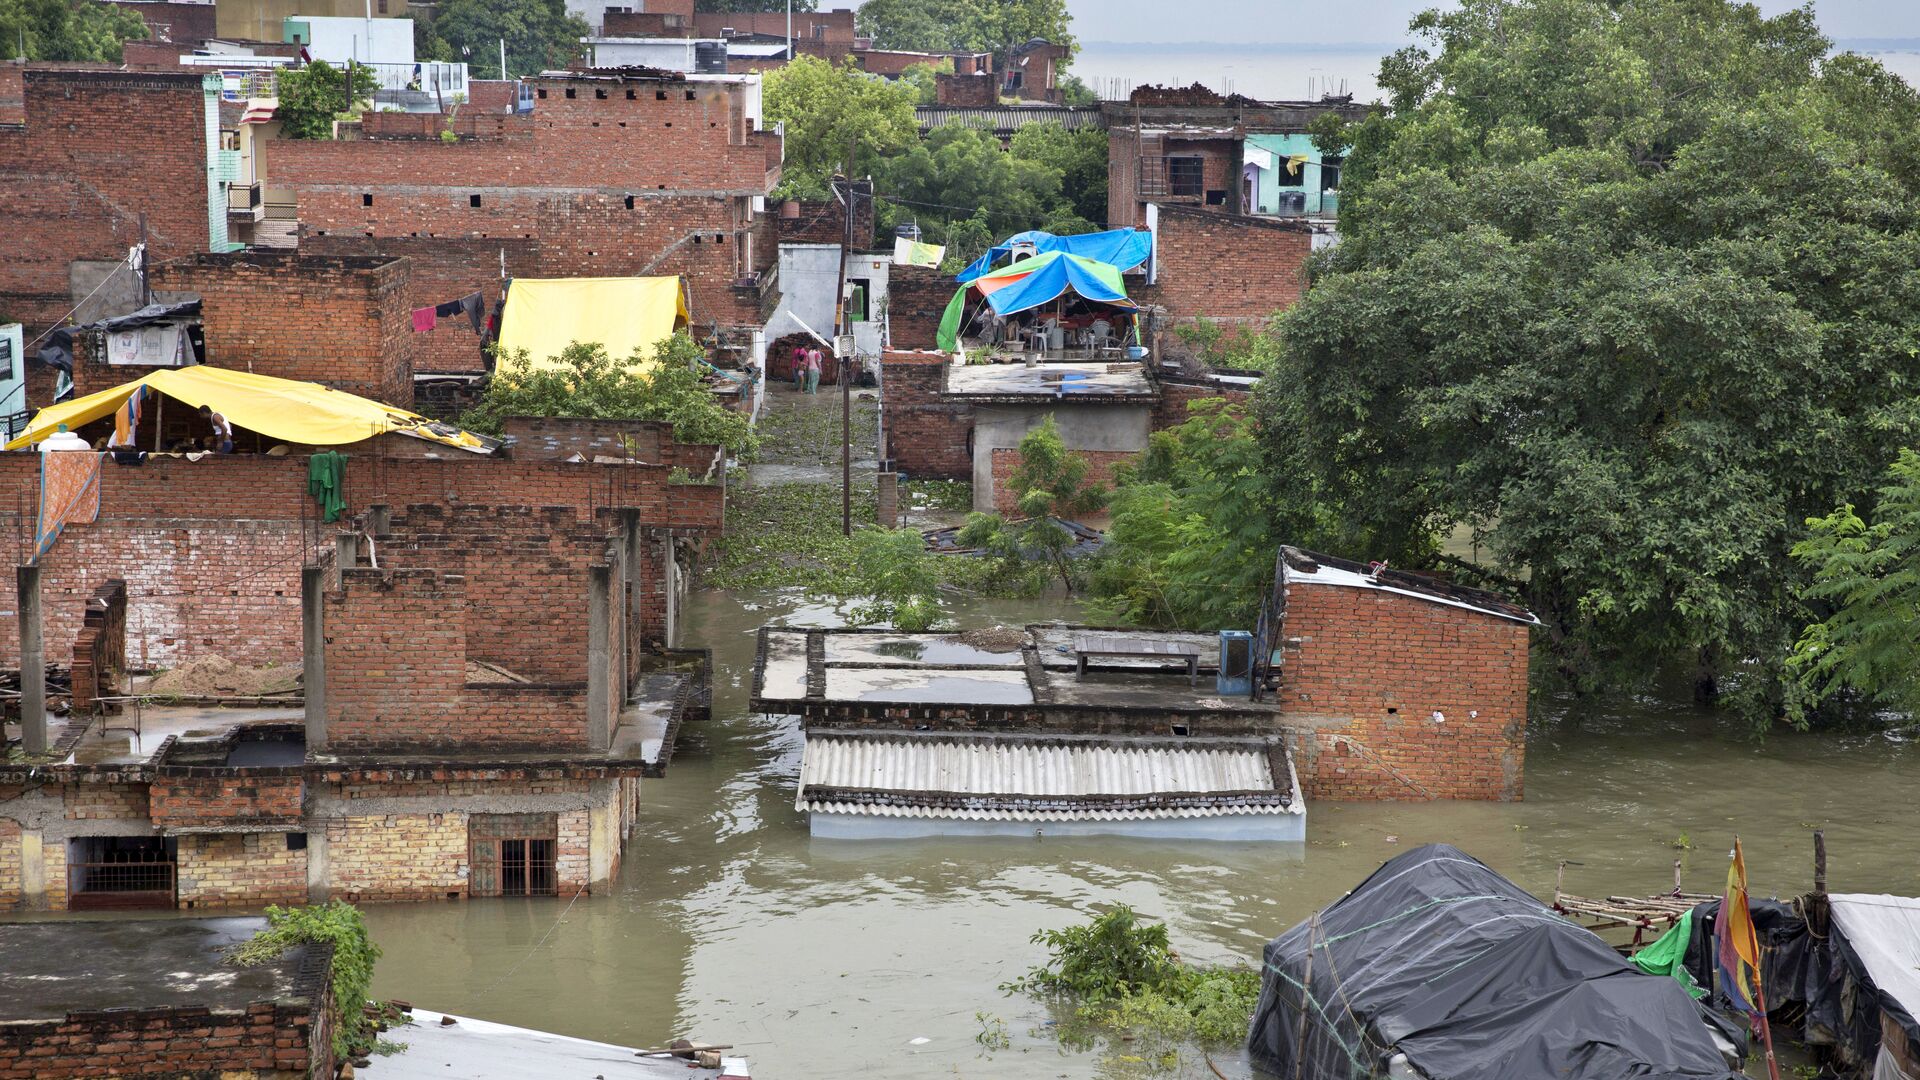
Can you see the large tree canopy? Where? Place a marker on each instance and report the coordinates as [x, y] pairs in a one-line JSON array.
[[540, 35], [1628, 292], [964, 25], [66, 30], [831, 111]]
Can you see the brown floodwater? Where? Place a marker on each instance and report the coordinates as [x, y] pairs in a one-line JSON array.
[[829, 959]]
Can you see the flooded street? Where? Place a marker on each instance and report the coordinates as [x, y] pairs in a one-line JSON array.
[[827, 959]]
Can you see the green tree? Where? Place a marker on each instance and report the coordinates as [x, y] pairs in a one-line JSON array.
[[314, 96], [831, 111], [74, 30], [1868, 577], [965, 25], [892, 579], [955, 169], [540, 35], [1625, 292], [920, 77], [588, 383], [1080, 159], [1195, 526], [1049, 486], [341, 926]]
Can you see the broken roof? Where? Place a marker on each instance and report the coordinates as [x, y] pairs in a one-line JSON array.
[[1313, 568]]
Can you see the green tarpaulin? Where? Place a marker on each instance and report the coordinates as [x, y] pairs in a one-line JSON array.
[[1668, 956]]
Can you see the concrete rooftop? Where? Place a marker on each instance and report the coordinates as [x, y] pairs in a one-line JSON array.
[[1050, 381], [49, 969]]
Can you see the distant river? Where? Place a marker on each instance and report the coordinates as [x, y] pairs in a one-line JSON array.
[[1284, 71]]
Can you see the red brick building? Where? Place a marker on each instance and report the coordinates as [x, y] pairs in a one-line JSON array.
[[612, 174], [1227, 268], [431, 754], [1398, 685], [87, 153]]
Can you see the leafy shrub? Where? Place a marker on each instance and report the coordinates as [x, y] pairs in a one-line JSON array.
[[340, 925]]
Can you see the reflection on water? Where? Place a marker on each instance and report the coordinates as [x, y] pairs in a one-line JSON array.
[[824, 959]]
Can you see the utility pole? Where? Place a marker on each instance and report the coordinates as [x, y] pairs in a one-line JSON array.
[[503, 60], [146, 294], [841, 328], [789, 31]]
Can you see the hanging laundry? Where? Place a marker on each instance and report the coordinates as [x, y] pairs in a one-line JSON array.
[[423, 320], [326, 482], [473, 305], [447, 310], [127, 420]]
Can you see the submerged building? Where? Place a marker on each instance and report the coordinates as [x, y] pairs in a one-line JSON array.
[[1360, 682]]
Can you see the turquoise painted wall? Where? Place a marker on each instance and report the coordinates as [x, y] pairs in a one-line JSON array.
[[1274, 181]]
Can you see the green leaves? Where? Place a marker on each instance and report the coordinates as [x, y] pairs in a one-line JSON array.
[[312, 97], [1625, 294], [1868, 578], [833, 111], [72, 30], [589, 383], [540, 35], [964, 25], [340, 925]]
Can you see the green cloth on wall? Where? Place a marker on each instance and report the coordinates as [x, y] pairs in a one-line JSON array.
[[326, 482]]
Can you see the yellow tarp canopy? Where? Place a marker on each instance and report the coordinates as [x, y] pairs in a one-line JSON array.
[[282, 409], [545, 315]]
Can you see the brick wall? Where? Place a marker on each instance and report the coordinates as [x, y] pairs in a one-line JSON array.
[[338, 320], [917, 296], [397, 857], [224, 797], [829, 28], [643, 24], [184, 24], [926, 437], [654, 177], [219, 870], [98, 148], [981, 91], [1100, 468], [1228, 268], [492, 95], [100, 648], [83, 801], [556, 438], [825, 221], [12, 859], [1368, 671], [264, 1042]]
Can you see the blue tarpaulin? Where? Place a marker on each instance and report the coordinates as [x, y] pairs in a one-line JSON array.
[[1033, 282], [1124, 248]]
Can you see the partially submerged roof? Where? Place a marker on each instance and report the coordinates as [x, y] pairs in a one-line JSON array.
[[1313, 568], [482, 1050], [50, 969], [1057, 778], [1119, 383]]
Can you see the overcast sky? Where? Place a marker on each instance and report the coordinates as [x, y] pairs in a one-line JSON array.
[[1377, 21]]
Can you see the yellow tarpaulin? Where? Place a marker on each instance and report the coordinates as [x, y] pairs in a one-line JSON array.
[[545, 315], [283, 409]]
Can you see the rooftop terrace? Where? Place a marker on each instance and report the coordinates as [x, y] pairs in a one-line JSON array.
[[50, 969]]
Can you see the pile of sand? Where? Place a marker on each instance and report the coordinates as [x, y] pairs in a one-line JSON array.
[[216, 676], [994, 639]]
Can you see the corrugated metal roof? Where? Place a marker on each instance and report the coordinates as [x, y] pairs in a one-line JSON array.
[[1006, 119], [1012, 778]]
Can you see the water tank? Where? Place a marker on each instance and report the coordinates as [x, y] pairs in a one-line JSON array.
[[64, 440], [710, 57], [1236, 663]]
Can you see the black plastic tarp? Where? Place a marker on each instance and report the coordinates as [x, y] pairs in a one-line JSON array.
[[1438, 958], [148, 316]]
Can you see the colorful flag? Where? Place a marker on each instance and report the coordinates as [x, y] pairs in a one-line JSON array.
[[1737, 948]]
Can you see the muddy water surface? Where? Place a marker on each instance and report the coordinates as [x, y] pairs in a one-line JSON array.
[[824, 959]]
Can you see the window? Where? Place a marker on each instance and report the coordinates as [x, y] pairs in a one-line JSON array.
[[366, 198], [105, 872], [689, 95], [543, 93], [631, 95], [513, 854], [1216, 197], [1330, 173], [1184, 175], [629, 202], [296, 841], [599, 95], [383, 7], [473, 200], [570, 93], [858, 290]]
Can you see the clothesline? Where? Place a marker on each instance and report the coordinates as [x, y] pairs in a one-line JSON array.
[[470, 305]]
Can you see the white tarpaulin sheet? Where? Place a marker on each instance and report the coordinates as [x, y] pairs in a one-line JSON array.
[[1885, 934]]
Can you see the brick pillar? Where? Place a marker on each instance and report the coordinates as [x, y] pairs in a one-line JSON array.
[[33, 663], [888, 499], [313, 626], [599, 689]]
